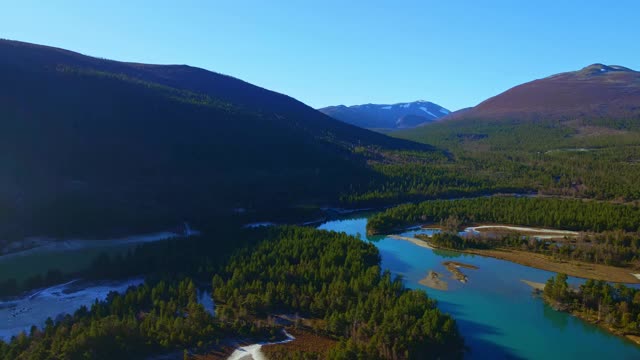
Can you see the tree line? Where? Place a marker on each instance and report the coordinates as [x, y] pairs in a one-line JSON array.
[[327, 276], [338, 280], [616, 248], [570, 214]]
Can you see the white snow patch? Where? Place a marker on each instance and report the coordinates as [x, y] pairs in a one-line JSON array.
[[406, 105], [427, 111], [386, 107], [444, 111]]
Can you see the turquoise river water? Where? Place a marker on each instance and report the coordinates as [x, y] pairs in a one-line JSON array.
[[498, 315]]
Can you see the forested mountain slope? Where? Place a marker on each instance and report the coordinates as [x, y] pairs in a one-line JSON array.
[[91, 146], [574, 134]]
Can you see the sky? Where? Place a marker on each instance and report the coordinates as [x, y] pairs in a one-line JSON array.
[[455, 53]]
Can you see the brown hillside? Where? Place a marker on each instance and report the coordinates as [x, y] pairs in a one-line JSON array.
[[597, 91]]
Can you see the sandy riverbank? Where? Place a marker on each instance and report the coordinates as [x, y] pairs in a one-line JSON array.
[[540, 233], [413, 240], [572, 268], [534, 285]]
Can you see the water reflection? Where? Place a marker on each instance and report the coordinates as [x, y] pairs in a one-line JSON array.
[[557, 319], [495, 311]]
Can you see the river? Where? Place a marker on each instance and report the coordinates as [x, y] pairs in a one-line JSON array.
[[71, 255], [497, 313], [20, 314]]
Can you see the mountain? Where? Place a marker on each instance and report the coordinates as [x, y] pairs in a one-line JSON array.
[[596, 92], [90, 146], [396, 116]]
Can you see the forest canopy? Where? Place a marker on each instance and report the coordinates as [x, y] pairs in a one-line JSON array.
[[327, 276], [569, 214]]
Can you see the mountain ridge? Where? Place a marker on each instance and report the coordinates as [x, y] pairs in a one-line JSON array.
[[92, 146], [185, 77], [387, 116], [596, 91]]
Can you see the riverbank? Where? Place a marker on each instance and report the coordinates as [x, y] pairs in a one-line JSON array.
[[573, 268], [19, 314], [33, 246], [306, 342], [494, 299], [588, 317], [539, 233], [413, 240], [594, 320], [537, 286]]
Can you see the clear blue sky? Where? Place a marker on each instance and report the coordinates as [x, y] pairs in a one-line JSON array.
[[454, 53]]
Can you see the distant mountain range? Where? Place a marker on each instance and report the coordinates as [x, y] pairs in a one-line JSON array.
[[595, 92], [90, 145], [379, 116]]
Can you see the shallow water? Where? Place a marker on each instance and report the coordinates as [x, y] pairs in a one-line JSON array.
[[205, 299], [497, 313], [73, 255], [20, 314]]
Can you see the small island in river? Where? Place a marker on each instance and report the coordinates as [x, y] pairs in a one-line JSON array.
[[592, 240], [497, 248], [434, 280], [454, 268]]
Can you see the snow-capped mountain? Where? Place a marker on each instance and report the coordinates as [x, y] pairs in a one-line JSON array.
[[382, 116]]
